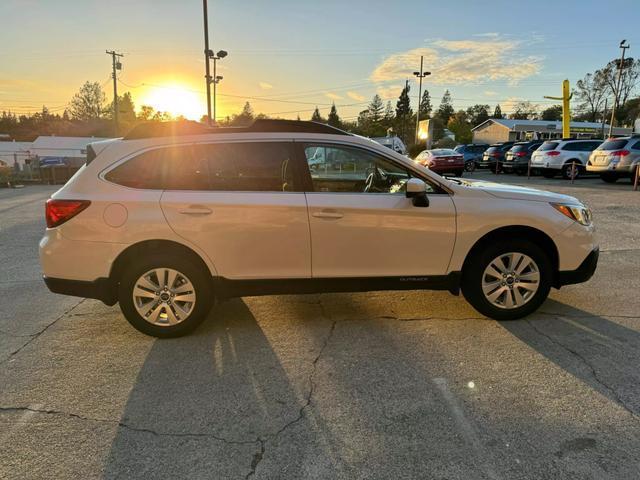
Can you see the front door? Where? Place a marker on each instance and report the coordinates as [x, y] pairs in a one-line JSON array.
[[362, 224]]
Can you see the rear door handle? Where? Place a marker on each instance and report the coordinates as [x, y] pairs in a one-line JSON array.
[[329, 214], [196, 210]]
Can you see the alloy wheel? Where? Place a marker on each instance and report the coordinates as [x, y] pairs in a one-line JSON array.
[[510, 280], [164, 297]]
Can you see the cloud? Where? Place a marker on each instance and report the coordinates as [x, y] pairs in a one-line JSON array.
[[356, 96], [265, 86], [461, 61], [490, 93], [390, 91], [333, 96]]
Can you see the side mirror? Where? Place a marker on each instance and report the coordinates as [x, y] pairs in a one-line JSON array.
[[417, 191]]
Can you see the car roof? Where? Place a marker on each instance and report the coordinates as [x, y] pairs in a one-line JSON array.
[[189, 128]]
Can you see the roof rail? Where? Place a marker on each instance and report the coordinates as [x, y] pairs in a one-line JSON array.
[[187, 127]]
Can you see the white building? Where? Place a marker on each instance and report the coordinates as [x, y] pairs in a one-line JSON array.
[[11, 152], [71, 150]]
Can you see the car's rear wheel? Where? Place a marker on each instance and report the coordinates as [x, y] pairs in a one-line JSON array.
[[507, 280], [566, 170], [609, 177], [469, 166], [165, 295]]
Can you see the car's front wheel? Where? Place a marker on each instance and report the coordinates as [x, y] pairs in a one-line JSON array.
[[507, 280], [165, 295]]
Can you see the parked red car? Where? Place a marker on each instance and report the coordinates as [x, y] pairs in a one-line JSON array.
[[442, 160]]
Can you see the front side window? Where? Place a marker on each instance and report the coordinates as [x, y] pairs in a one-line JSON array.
[[353, 170]]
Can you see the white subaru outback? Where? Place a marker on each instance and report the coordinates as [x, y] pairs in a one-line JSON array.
[[173, 217]]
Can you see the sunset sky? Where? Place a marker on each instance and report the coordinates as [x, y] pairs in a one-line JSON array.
[[286, 57]]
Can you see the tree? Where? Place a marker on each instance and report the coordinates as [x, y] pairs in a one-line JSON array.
[[388, 114], [404, 113], [592, 91], [459, 125], [478, 114], [146, 113], [628, 81], [425, 108], [334, 119], [497, 113], [376, 108], [553, 113], [524, 110], [88, 102], [445, 110], [245, 117], [316, 117]]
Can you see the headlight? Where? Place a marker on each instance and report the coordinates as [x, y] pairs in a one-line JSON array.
[[579, 213]]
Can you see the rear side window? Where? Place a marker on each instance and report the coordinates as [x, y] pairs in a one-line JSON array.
[[546, 146], [250, 167], [635, 146], [172, 168], [580, 146], [613, 145]]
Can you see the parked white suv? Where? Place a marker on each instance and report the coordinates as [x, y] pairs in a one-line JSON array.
[[557, 156], [171, 218]]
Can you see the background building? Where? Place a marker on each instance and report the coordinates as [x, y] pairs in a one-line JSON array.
[[506, 130]]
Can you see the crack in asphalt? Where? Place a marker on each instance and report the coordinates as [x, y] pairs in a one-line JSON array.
[[594, 372], [260, 442], [36, 335]]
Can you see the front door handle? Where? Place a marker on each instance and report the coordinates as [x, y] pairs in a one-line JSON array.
[[196, 210], [329, 214]]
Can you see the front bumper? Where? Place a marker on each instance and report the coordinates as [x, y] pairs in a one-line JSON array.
[[581, 274], [100, 289]]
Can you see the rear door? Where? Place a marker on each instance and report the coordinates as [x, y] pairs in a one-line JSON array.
[[362, 224], [251, 217]]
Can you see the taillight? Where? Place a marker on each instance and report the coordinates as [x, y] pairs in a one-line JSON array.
[[521, 154], [620, 153], [553, 153], [495, 154], [59, 211]]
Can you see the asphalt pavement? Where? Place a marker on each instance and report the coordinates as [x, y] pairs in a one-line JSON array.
[[369, 385]]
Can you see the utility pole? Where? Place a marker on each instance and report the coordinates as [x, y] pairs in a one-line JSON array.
[[216, 78], [207, 54], [420, 75], [623, 46], [604, 116], [116, 65]]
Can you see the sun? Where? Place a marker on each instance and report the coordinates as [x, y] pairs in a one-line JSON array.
[[175, 99]]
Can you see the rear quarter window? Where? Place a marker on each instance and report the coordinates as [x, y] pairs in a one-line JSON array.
[[613, 145], [546, 146]]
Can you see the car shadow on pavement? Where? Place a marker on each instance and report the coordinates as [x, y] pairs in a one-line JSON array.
[[204, 403], [594, 349]]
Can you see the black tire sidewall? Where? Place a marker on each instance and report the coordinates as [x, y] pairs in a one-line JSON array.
[[194, 272], [474, 269]]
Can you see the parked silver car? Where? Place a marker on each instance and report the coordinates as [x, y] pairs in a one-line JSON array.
[[616, 158], [557, 156]]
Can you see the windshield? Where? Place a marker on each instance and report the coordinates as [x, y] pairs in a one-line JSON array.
[[613, 145], [546, 146]]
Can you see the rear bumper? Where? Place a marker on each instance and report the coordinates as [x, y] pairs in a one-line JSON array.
[[611, 168], [581, 274], [100, 289]]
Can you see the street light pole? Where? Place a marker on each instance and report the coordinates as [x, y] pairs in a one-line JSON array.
[[623, 46], [207, 55], [420, 75], [216, 78]]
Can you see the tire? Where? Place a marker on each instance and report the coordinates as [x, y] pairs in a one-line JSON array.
[[164, 327], [474, 274], [609, 177], [469, 166], [566, 169], [459, 173], [548, 173]]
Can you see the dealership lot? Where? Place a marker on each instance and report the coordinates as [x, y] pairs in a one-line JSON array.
[[368, 385]]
